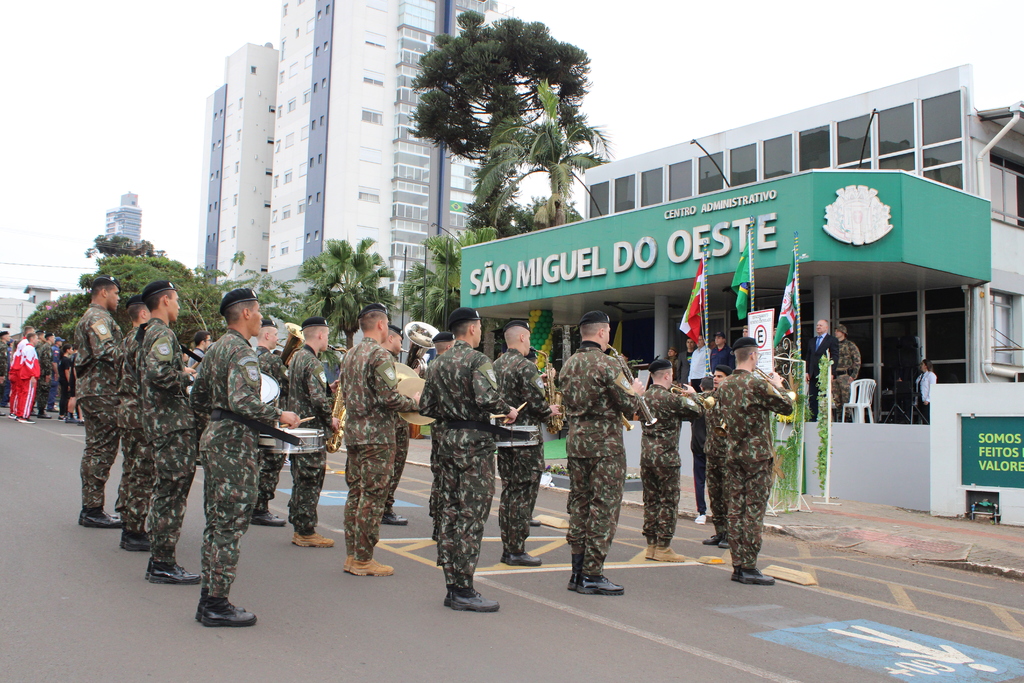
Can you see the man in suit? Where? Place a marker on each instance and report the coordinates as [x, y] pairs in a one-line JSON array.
[[820, 344]]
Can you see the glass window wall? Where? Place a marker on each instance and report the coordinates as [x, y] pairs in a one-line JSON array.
[[778, 156], [854, 141], [710, 178], [814, 148], [599, 200], [940, 118], [625, 193], [651, 187], [743, 165], [680, 180], [896, 129]]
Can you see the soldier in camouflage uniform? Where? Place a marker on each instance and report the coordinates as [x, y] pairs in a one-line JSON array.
[[443, 341], [744, 405], [44, 349], [138, 472], [307, 397], [595, 394], [98, 339], [520, 467], [270, 463], [368, 383], [170, 429], [228, 389], [394, 346], [847, 369], [715, 462], [462, 390], [659, 459]]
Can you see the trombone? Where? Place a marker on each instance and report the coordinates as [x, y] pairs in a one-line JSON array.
[[785, 384]]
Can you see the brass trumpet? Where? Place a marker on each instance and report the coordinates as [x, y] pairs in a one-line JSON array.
[[553, 396], [704, 401], [785, 384], [627, 372], [336, 440]]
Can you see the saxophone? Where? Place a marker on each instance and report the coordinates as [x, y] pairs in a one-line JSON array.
[[337, 439], [627, 372], [555, 423]]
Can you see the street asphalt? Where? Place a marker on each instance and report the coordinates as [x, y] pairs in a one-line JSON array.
[[77, 608]]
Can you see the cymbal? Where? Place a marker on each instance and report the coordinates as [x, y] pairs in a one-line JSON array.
[[410, 386], [403, 371]]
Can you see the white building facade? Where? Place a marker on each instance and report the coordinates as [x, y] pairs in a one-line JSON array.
[[126, 219]]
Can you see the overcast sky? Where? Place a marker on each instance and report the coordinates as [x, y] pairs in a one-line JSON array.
[[106, 98]]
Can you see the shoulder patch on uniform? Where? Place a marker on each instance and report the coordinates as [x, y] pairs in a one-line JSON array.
[[621, 380], [488, 371], [323, 377], [163, 348], [539, 382], [388, 374], [102, 330]]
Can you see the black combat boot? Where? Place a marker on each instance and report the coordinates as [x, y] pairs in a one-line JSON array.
[[724, 543], [598, 585], [468, 600], [755, 578], [165, 572], [204, 595], [134, 542], [97, 518], [391, 518], [714, 540], [448, 595], [266, 518], [43, 416], [577, 572], [521, 560], [220, 612], [736, 569]]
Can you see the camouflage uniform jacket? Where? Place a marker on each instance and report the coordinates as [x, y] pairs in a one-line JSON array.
[[519, 381], [372, 403], [230, 380], [45, 353], [270, 364], [129, 412], [745, 403], [98, 339], [659, 445], [307, 389], [712, 419], [163, 383], [595, 394], [4, 361], [460, 386], [849, 358]]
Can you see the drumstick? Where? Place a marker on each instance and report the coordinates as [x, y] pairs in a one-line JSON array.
[[502, 417], [307, 419]]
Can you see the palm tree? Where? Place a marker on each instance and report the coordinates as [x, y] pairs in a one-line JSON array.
[[442, 296], [559, 147], [342, 280]]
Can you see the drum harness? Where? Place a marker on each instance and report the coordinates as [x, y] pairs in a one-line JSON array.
[[219, 414]]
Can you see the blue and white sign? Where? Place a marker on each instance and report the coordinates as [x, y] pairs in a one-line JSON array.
[[339, 498], [903, 654]]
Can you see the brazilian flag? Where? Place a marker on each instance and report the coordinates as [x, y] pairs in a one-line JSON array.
[[741, 283]]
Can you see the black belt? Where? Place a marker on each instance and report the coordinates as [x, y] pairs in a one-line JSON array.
[[219, 414], [842, 372], [482, 426]]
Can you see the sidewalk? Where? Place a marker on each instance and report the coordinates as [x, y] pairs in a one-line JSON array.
[[879, 530]]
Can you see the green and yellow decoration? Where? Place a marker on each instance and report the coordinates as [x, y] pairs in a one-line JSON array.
[[541, 337]]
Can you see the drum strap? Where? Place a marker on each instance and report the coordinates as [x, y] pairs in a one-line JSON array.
[[219, 414]]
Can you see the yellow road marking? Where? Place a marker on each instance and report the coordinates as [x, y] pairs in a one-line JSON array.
[[1007, 618], [901, 597], [910, 571]]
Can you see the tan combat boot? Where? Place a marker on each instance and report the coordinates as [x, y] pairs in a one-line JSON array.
[[314, 540], [650, 551], [663, 553], [369, 568], [348, 562]]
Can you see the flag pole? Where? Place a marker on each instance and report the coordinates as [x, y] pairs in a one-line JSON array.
[[796, 287], [705, 317], [750, 266]]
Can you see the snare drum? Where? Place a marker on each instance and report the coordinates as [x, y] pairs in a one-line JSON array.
[[522, 435], [310, 441]]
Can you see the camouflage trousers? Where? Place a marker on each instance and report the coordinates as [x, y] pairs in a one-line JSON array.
[[466, 472], [841, 392], [270, 475], [101, 439], [595, 496], [747, 487], [661, 502], [433, 506], [368, 475], [401, 455], [43, 394], [138, 474], [230, 458], [174, 457], [308, 470], [520, 469], [716, 492]]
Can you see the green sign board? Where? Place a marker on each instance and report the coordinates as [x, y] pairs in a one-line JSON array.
[[992, 451], [842, 217]]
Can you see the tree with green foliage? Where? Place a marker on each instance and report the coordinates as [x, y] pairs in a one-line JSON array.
[[120, 245], [342, 281], [442, 284], [485, 74], [561, 149], [277, 297]]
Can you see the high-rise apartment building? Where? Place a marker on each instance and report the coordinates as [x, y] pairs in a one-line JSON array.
[[126, 219], [239, 163]]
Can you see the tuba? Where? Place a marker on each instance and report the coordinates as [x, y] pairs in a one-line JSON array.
[[556, 423], [422, 335], [293, 343], [337, 439]]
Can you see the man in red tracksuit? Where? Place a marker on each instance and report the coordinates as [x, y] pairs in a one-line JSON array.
[[24, 378]]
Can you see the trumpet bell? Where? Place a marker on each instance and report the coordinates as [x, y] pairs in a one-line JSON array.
[[295, 341], [421, 334]]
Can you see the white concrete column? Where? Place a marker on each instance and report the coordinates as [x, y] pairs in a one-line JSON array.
[[823, 298], [661, 326]]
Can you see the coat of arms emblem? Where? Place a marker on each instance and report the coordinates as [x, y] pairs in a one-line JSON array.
[[857, 216]]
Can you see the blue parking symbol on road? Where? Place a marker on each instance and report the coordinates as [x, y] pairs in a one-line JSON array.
[[903, 654], [339, 498]]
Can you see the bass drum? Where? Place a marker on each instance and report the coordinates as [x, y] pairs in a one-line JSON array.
[[269, 388]]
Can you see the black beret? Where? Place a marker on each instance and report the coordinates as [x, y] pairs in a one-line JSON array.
[[744, 342], [594, 317], [443, 337], [157, 287], [724, 369], [135, 300], [101, 280], [236, 296], [461, 315], [372, 308], [516, 323], [658, 365], [396, 329], [267, 322], [315, 321], [720, 334]]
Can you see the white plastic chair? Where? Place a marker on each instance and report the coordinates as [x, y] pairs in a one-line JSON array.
[[862, 392]]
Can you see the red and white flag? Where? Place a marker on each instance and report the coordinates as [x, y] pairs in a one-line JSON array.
[[695, 309]]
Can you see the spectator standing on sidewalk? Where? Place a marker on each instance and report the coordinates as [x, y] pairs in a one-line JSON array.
[[5, 338], [698, 363]]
